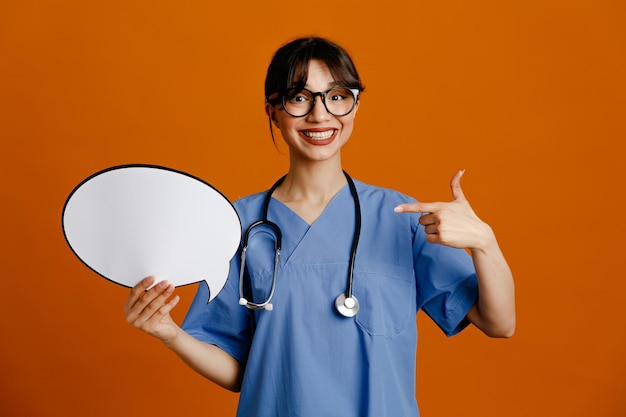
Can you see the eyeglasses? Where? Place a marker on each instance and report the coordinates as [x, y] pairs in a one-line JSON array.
[[338, 101]]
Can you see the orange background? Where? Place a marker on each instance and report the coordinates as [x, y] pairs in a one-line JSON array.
[[528, 96]]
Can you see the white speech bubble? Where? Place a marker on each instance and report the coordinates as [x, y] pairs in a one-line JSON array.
[[132, 221]]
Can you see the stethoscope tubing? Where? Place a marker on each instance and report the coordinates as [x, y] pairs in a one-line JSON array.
[[357, 234], [277, 246], [345, 303]]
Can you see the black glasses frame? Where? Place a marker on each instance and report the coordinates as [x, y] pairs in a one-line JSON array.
[[355, 94]]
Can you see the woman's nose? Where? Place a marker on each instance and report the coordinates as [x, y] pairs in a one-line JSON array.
[[319, 112]]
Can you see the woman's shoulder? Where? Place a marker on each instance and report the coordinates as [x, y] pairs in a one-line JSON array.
[[252, 202], [379, 193], [250, 199]]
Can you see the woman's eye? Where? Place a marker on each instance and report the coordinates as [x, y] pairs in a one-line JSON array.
[[298, 98], [338, 95]]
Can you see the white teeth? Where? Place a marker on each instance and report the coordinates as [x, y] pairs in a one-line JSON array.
[[318, 135]]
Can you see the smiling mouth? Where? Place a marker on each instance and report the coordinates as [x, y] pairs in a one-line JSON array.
[[318, 135]]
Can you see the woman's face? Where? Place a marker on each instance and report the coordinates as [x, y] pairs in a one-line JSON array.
[[318, 136]]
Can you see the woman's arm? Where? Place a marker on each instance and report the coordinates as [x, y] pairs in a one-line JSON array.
[[149, 311], [494, 312], [455, 224]]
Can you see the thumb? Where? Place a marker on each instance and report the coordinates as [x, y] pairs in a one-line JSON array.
[[455, 185]]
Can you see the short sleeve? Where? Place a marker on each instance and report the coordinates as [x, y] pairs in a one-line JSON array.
[[447, 287], [222, 322]]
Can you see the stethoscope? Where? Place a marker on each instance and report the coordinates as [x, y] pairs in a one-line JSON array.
[[345, 303]]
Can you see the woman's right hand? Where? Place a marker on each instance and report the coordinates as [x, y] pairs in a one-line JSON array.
[[150, 310]]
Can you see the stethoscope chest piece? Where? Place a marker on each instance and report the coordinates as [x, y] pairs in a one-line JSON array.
[[347, 307]]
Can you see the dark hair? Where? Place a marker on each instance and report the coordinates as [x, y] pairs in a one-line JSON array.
[[289, 67]]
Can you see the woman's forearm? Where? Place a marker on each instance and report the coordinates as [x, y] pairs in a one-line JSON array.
[[494, 313], [208, 360]]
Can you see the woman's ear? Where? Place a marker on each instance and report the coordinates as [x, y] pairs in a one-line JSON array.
[[271, 113]]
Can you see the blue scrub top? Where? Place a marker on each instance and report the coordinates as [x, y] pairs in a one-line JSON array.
[[305, 359]]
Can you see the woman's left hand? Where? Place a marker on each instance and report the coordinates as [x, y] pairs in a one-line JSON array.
[[452, 223], [455, 224]]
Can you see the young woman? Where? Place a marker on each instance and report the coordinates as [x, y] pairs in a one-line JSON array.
[[336, 334]]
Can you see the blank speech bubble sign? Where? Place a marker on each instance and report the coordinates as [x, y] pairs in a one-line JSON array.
[[132, 221]]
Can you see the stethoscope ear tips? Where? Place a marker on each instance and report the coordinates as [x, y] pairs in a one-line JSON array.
[[269, 307], [347, 307], [243, 301]]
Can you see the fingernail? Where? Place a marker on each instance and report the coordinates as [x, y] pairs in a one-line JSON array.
[[398, 209]]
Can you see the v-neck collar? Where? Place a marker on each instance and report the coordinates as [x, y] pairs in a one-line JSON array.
[[298, 234], [341, 191]]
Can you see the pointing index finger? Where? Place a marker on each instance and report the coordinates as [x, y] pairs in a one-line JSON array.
[[417, 208]]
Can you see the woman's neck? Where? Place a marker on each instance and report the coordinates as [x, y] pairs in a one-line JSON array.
[[308, 189]]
